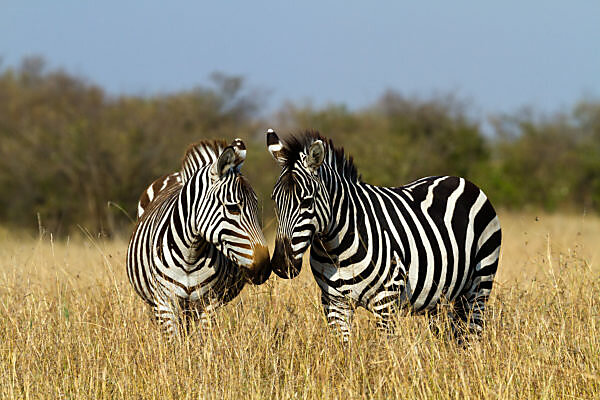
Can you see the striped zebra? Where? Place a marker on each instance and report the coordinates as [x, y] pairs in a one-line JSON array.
[[382, 248], [197, 240]]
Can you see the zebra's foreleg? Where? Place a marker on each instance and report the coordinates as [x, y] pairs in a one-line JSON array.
[[167, 316], [384, 310], [204, 314], [196, 320], [339, 313]]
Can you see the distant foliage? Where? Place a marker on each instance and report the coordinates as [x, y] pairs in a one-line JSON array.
[[552, 162], [67, 148]]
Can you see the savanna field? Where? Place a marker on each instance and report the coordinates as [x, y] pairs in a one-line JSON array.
[[73, 328], [77, 151]]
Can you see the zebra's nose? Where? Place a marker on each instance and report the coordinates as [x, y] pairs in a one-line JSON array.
[[260, 270], [284, 266]]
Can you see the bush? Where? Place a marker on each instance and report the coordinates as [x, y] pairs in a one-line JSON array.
[[68, 150]]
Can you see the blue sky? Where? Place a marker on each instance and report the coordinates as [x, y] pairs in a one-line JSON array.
[[499, 56]]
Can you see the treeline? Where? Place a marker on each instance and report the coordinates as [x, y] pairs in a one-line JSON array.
[[72, 155]]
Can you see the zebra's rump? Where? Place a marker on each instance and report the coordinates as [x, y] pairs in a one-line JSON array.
[[461, 232], [155, 188]]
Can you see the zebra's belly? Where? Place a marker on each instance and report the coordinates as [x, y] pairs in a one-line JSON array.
[[360, 282], [204, 285], [419, 289]]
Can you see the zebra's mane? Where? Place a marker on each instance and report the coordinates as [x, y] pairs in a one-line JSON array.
[[200, 154], [335, 157]]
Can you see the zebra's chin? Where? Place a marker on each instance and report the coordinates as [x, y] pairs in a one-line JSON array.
[[284, 264]]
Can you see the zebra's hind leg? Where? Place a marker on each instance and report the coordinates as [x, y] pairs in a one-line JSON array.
[[469, 307], [440, 320], [467, 316], [339, 313]]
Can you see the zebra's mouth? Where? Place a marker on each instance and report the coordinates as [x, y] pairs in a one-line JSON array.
[[260, 269], [283, 262]]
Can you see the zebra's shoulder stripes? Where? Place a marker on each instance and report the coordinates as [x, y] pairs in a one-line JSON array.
[[200, 154]]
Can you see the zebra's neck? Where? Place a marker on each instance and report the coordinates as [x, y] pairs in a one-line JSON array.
[[343, 205], [184, 218]]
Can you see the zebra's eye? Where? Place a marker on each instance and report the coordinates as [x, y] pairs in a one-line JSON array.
[[306, 203], [233, 209]]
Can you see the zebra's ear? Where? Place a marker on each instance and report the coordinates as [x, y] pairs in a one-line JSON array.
[[275, 147], [315, 156], [232, 157], [226, 161]]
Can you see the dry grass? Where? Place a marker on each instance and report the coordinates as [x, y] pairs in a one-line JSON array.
[[72, 327]]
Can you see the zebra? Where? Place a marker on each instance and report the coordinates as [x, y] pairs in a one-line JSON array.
[[382, 248], [197, 240]]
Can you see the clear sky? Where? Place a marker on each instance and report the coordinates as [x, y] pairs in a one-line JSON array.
[[498, 55]]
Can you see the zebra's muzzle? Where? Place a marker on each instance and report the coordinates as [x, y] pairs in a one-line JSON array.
[[284, 265], [260, 269]]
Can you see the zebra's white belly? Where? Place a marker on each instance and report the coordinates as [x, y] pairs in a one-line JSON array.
[[344, 282], [193, 286], [386, 274]]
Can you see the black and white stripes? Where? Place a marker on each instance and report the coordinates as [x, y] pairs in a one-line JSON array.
[[197, 240], [382, 248]]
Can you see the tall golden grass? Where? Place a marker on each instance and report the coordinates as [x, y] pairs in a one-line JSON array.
[[72, 327]]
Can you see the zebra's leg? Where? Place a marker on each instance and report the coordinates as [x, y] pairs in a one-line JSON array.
[[201, 314], [433, 319], [339, 312], [384, 306], [441, 319], [467, 317], [384, 320], [393, 297], [470, 306], [205, 319], [205, 314], [167, 316]]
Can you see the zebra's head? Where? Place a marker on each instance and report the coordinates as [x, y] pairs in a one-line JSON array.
[[227, 213], [301, 201]]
